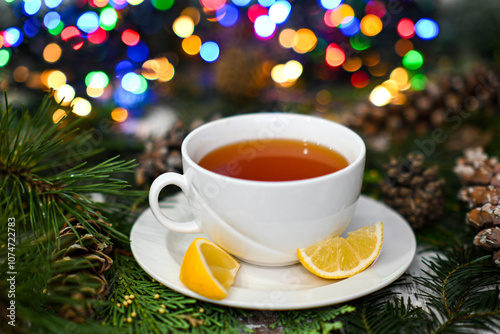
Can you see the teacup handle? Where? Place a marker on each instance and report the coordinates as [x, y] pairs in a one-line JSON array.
[[158, 184]]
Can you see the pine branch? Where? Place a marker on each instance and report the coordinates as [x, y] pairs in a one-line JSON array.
[[139, 304], [45, 178]]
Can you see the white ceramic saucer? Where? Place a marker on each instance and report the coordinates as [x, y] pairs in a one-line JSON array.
[[160, 251]]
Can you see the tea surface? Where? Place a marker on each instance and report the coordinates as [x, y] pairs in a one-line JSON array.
[[273, 160]]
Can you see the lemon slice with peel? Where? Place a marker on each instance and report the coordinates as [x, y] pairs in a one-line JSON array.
[[338, 257], [207, 269]]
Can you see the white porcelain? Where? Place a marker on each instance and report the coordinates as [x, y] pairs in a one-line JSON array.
[[159, 252], [265, 222]]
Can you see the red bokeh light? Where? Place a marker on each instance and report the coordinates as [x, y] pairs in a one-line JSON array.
[[406, 28], [256, 10], [130, 37]]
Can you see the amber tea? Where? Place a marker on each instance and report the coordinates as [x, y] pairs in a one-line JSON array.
[[273, 160]]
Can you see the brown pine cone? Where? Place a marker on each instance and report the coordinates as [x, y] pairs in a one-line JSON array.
[[477, 168], [480, 195], [414, 191], [488, 239], [484, 216]]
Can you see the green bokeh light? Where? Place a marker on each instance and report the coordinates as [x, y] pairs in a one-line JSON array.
[[413, 60], [418, 82], [97, 79], [162, 4], [4, 57], [108, 18], [143, 85], [360, 42], [57, 30]]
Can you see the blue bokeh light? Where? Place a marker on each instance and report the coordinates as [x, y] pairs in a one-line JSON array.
[[209, 51], [32, 26], [123, 67], [350, 26], [330, 4], [51, 20], [88, 22], [138, 52], [13, 36], [227, 15], [266, 3], [31, 7], [131, 82], [241, 3], [53, 3], [426, 29], [280, 11], [264, 26]]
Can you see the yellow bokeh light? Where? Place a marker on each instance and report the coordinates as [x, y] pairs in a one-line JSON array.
[[135, 2], [58, 115], [339, 15], [278, 73], [378, 70], [65, 94], [370, 58], [371, 25], [292, 70], [56, 79], [193, 13], [167, 74], [52, 52], [21, 74], [400, 76], [151, 69], [81, 106], [306, 41], [119, 114], [95, 92], [183, 26], [380, 96], [399, 99], [191, 45], [352, 64], [288, 38], [392, 87]]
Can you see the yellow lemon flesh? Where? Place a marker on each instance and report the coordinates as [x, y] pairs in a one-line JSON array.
[[338, 257], [208, 270]]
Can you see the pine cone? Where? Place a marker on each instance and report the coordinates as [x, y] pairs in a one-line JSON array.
[[414, 191], [482, 175], [80, 261], [161, 155], [422, 111]]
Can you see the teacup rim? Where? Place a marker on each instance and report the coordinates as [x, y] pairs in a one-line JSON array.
[[359, 159]]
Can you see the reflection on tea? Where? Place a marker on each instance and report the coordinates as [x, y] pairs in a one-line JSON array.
[[273, 160]]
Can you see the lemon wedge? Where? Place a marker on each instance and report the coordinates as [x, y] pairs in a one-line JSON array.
[[207, 269], [338, 257]]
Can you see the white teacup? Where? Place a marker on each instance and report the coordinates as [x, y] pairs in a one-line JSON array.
[[264, 222]]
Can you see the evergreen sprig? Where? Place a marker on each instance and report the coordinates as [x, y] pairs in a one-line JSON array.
[[44, 177], [139, 304]]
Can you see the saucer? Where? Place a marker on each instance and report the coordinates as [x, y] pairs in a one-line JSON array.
[[159, 252]]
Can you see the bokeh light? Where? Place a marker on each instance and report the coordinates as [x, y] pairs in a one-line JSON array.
[[138, 52], [52, 3], [266, 3], [330, 4], [426, 29], [323, 97], [193, 13], [402, 47], [58, 115], [293, 70], [65, 94], [288, 38], [56, 79], [12, 37], [418, 82], [52, 53], [97, 37], [51, 20], [183, 26], [134, 83], [413, 60], [88, 22], [360, 79], [191, 45], [162, 4], [264, 27], [32, 26], [212, 4], [119, 114], [4, 57], [256, 10], [31, 7], [376, 8], [97, 79], [400, 76], [81, 106], [380, 96], [73, 36], [209, 51], [21, 74], [306, 41], [130, 37], [158, 69], [406, 28], [108, 18], [280, 11], [241, 3], [371, 25], [360, 42], [350, 26], [334, 55], [352, 64], [342, 14], [227, 15]]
